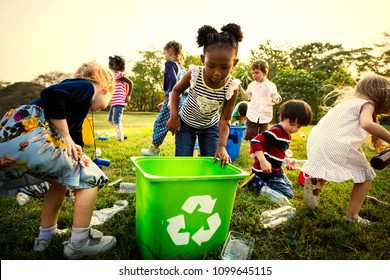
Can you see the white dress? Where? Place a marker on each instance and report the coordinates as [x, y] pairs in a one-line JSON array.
[[332, 145]]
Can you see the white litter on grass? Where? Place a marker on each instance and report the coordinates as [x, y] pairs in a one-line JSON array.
[[237, 246], [102, 215]]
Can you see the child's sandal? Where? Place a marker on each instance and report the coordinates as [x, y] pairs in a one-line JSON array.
[[358, 220], [309, 197]]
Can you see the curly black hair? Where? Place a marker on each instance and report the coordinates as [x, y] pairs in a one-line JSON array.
[[209, 37], [120, 61]]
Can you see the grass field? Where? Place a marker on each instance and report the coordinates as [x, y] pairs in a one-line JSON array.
[[318, 235]]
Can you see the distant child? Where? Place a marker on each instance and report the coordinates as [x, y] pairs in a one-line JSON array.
[[210, 88], [239, 113], [174, 70], [263, 95], [43, 140], [334, 144], [270, 146], [122, 95]]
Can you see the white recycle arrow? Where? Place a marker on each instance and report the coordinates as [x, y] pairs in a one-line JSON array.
[[203, 235], [205, 201], [175, 224]]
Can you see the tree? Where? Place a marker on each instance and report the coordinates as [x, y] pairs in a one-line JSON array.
[[51, 78], [276, 56], [191, 59], [18, 94], [384, 55], [299, 84], [308, 57], [148, 81]]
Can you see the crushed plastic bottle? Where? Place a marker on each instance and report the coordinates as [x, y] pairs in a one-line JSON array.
[[274, 196], [127, 187], [274, 217]]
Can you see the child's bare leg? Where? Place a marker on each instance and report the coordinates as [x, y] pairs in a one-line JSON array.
[[83, 207], [358, 195], [52, 203]]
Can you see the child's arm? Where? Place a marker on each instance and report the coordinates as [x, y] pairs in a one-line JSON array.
[[129, 87], [266, 167], [275, 96], [368, 124], [173, 123], [224, 129], [245, 94]]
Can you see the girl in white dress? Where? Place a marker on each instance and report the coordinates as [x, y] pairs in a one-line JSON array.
[[334, 144]]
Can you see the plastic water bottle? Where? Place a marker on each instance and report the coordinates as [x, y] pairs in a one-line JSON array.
[[381, 161], [127, 187], [98, 152], [299, 163], [22, 198], [276, 222], [274, 196], [278, 212], [274, 217]]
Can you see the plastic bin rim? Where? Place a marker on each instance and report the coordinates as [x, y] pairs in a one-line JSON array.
[[240, 175]]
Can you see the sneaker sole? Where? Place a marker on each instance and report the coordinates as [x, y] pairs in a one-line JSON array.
[[308, 196], [80, 255]]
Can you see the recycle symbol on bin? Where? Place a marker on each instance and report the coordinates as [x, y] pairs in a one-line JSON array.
[[175, 224]]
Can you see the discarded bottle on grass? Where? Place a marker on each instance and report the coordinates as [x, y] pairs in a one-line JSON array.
[[22, 198], [381, 160], [274, 196], [127, 187], [274, 217]]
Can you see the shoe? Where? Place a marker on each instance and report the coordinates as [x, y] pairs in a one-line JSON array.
[[124, 137], [309, 197], [40, 245], [150, 152], [96, 244], [358, 220]]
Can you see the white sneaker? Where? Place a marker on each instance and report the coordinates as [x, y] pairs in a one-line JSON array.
[[150, 152], [96, 244]]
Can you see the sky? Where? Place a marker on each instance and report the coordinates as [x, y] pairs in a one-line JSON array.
[[41, 36]]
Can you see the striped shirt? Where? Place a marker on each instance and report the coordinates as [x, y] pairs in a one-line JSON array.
[[119, 96], [274, 143], [201, 109]]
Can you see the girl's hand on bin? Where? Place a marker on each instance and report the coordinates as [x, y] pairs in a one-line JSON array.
[[222, 155]]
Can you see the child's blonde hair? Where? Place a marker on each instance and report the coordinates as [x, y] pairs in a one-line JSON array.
[[374, 88], [97, 75], [177, 49]]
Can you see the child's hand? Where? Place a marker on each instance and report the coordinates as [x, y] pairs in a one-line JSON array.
[[266, 167], [73, 149], [290, 164], [159, 106], [276, 100], [222, 155], [173, 124]]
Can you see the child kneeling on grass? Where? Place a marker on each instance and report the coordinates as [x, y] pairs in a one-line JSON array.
[[269, 147]]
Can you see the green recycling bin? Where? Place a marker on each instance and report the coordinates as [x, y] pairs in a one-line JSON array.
[[183, 205]]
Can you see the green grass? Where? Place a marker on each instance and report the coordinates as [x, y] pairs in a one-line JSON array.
[[319, 235]]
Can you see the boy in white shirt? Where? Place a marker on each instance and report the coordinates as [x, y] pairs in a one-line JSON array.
[[262, 94]]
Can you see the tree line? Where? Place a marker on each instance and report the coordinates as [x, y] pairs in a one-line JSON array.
[[308, 71]]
